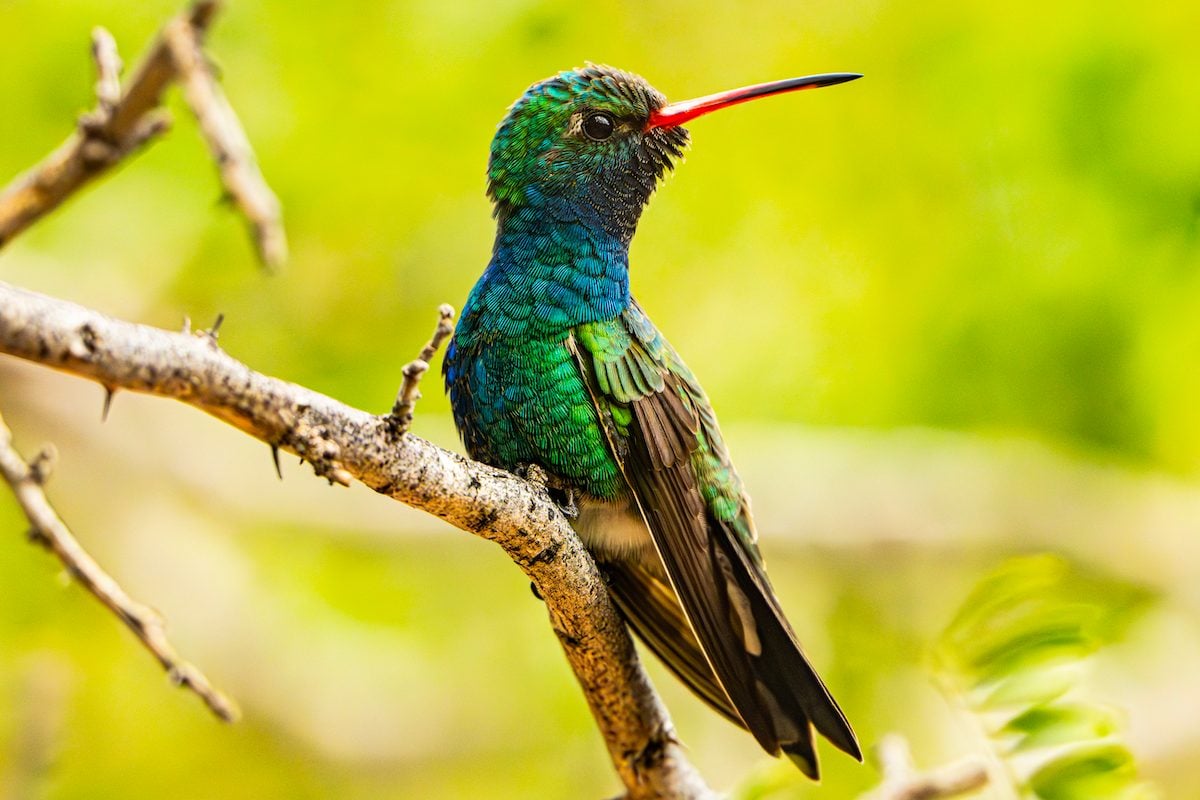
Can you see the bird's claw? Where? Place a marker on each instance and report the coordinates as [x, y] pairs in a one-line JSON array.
[[565, 499], [563, 496]]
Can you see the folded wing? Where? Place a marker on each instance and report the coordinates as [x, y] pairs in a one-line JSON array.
[[740, 654]]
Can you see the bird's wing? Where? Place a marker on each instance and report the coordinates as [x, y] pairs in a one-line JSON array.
[[664, 435]]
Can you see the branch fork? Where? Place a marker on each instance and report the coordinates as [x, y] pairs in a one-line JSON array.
[[127, 117]]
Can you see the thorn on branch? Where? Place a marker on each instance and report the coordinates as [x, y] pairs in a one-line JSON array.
[[109, 393], [401, 417], [43, 464], [275, 458], [35, 537], [212, 334]]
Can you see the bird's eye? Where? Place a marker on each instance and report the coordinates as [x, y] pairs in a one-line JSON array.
[[598, 126]]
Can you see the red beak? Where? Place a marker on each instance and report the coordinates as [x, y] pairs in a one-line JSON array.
[[674, 114]]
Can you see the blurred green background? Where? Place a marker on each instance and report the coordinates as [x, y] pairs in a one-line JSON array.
[[947, 313]]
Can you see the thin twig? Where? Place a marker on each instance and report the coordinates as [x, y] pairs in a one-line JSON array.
[[108, 70], [409, 394], [343, 443], [228, 144], [127, 117], [48, 529], [902, 781], [103, 137]]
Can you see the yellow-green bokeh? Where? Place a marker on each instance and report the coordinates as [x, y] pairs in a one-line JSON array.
[[995, 234]]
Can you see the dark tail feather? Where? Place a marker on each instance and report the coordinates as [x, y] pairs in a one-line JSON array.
[[653, 612], [784, 676], [802, 754], [789, 692]]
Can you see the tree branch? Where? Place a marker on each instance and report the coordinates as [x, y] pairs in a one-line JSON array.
[[48, 530], [901, 781], [343, 443], [227, 142], [124, 120], [103, 137]]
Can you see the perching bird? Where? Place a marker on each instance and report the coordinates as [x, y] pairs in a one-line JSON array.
[[555, 364]]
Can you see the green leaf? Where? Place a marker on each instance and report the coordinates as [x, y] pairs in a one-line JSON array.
[[1029, 687], [1001, 594], [1048, 725], [1034, 611], [1044, 636], [1019, 644], [1089, 773]]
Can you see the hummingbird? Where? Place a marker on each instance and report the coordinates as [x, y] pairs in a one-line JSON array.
[[554, 364]]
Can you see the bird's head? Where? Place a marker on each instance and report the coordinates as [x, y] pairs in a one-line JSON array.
[[598, 139], [581, 138]]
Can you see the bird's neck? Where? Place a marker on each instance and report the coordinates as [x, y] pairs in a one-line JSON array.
[[554, 266]]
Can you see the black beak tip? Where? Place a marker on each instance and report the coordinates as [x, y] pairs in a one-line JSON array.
[[835, 78]]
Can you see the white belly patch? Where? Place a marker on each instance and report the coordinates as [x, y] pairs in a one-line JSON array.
[[614, 530]]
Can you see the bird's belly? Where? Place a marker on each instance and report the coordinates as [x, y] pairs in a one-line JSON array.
[[613, 530]]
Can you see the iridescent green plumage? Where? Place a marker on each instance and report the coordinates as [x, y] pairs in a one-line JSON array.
[[554, 364]]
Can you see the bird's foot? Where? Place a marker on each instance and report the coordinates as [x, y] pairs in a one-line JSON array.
[[564, 498], [562, 495]]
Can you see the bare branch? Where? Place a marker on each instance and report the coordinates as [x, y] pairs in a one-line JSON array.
[[124, 120], [901, 781], [406, 399], [228, 144], [117, 128], [48, 530], [343, 443]]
